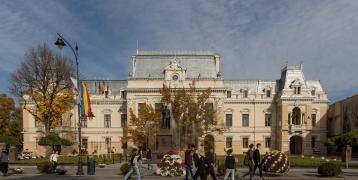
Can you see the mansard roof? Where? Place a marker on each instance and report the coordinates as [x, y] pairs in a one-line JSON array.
[[114, 85], [151, 64], [257, 86]]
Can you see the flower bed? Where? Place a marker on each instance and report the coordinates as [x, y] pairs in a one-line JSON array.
[[276, 162], [171, 165]]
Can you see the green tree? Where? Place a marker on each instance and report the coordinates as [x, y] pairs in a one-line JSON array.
[[43, 85], [53, 141]]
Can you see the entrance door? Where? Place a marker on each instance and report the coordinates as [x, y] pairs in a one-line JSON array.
[[296, 145]]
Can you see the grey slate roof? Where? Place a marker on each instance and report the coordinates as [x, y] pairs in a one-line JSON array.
[[151, 66], [256, 86], [114, 85]]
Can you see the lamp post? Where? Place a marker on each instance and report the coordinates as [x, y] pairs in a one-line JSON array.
[[60, 43]]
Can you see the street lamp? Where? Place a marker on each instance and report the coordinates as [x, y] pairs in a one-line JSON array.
[[60, 43]]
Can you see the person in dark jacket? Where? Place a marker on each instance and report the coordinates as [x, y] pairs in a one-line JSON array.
[[188, 162], [200, 166], [91, 164], [4, 162], [251, 163], [210, 162], [230, 165], [257, 160]]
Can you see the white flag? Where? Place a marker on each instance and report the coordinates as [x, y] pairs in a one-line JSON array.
[[74, 82]]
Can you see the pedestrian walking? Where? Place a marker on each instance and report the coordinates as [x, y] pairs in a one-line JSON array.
[[249, 158], [230, 165], [210, 163], [149, 158], [54, 160], [91, 164], [188, 161], [134, 165], [257, 160], [200, 166], [4, 162]]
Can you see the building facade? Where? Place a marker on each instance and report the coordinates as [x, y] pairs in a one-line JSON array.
[[343, 116], [287, 114]]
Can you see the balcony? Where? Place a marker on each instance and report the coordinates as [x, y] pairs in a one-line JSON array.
[[292, 128]]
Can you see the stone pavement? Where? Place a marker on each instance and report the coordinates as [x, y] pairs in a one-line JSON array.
[[112, 172]]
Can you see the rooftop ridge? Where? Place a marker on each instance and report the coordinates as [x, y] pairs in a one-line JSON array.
[[176, 53]]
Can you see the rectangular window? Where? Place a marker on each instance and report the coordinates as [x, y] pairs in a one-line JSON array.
[[84, 122], [267, 142], [245, 94], [123, 120], [209, 113], [314, 119], [245, 120], [107, 120], [85, 143], [228, 94], [228, 142], [141, 107], [268, 120], [245, 142], [108, 144], [124, 94], [268, 93], [228, 120], [298, 90], [313, 142]]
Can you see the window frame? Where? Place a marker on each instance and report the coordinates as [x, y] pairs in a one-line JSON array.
[[226, 141], [248, 120], [268, 123], [245, 145], [226, 119], [106, 124]]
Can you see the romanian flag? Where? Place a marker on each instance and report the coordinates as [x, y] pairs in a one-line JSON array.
[[86, 110]]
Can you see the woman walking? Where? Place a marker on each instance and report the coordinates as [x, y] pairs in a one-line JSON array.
[[134, 165]]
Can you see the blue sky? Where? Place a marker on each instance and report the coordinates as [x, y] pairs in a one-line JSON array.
[[254, 37]]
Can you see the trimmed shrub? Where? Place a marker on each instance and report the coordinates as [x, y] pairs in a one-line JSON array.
[[61, 171], [329, 169], [275, 162], [125, 167], [45, 167]]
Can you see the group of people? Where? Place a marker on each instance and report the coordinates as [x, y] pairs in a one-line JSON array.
[[204, 164], [252, 160]]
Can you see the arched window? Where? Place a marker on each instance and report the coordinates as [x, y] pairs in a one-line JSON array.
[[296, 116]]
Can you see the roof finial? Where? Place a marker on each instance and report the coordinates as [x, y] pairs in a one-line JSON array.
[[137, 46]]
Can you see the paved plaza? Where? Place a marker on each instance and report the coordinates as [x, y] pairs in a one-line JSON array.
[[112, 172]]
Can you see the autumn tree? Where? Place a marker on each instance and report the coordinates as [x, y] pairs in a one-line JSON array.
[[43, 84], [10, 122], [194, 116], [143, 128]]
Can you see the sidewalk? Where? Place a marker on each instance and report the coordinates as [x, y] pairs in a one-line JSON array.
[[111, 171]]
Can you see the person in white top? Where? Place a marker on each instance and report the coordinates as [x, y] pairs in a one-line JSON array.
[[54, 159]]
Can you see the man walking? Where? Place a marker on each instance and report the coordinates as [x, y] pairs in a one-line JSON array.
[[257, 160], [229, 165], [250, 162], [4, 162], [200, 166], [188, 161], [210, 161], [54, 160]]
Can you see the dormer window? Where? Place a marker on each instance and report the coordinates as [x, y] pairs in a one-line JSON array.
[[313, 92], [268, 93], [296, 85], [245, 94], [228, 95]]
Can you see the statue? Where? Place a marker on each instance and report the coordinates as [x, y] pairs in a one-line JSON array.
[[165, 118]]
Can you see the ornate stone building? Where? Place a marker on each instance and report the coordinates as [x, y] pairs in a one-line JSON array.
[[288, 114], [343, 116]]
